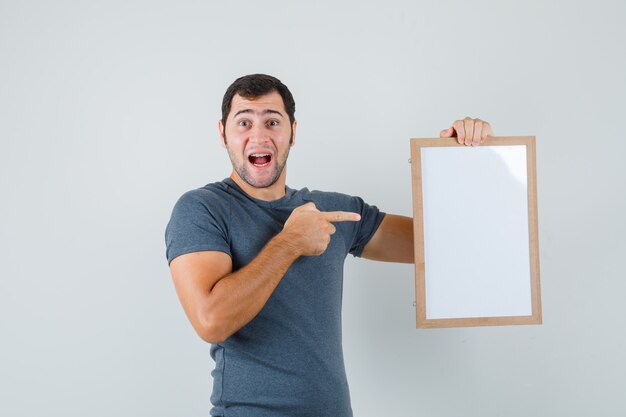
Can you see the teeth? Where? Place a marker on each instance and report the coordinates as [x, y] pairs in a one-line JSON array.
[[260, 165], [260, 154]]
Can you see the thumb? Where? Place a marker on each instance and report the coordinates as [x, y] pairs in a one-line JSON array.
[[447, 133]]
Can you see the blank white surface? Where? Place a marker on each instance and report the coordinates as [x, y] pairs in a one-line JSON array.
[[476, 244]]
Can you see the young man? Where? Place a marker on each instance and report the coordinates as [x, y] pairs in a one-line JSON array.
[[258, 266]]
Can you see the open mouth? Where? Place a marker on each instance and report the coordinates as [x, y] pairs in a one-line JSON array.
[[260, 159]]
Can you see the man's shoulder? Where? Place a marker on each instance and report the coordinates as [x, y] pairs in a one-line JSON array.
[[321, 194], [218, 187], [213, 195], [330, 200]]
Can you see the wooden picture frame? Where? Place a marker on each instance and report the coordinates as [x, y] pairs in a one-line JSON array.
[[476, 232]]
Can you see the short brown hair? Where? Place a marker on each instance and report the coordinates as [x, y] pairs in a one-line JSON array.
[[257, 85]]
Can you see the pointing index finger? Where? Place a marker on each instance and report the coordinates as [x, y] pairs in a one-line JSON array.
[[341, 216]]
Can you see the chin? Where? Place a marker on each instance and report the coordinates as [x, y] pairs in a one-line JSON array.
[[265, 183]]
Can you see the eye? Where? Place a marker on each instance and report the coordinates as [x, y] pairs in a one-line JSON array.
[[243, 123], [273, 123]]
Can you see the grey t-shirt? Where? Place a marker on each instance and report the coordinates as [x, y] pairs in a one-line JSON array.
[[288, 360]]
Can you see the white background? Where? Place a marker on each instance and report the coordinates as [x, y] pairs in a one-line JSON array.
[[108, 113]]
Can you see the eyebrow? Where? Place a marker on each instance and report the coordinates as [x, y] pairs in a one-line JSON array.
[[264, 112]]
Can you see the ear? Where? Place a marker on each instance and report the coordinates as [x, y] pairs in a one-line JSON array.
[[220, 127], [293, 133]]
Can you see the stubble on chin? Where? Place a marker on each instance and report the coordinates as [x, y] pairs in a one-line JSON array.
[[244, 174]]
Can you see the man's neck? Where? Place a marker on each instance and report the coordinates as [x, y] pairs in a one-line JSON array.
[[271, 193]]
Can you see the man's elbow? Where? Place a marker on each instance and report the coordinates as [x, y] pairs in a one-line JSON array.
[[212, 330]]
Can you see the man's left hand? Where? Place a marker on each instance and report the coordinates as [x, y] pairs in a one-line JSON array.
[[468, 131]]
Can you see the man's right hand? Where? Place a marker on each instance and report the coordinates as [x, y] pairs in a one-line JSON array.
[[308, 230]]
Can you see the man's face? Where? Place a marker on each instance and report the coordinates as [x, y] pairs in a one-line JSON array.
[[257, 137]]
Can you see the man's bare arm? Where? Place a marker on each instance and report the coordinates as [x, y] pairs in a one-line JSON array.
[[393, 241], [218, 302]]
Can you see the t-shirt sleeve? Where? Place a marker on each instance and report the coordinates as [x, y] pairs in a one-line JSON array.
[[371, 217], [197, 224]]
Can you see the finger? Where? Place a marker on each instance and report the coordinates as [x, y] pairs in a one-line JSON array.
[[341, 216], [487, 131], [468, 124], [478, 131], [460, 131], [331, 229], [447, 133]]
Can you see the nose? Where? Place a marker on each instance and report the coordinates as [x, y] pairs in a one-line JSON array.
[[258, 134]]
